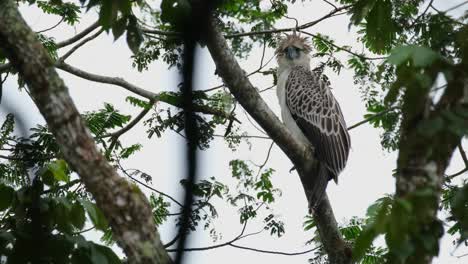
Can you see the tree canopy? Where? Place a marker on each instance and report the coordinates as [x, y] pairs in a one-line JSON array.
[[67, 177]]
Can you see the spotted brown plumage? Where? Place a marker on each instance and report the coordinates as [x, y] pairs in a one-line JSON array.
[[311, 113], [319, 116]]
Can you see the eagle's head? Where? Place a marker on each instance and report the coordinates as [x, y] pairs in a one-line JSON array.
[[293, 50]]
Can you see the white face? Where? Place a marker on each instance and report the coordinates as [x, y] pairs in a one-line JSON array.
[[293, 56]]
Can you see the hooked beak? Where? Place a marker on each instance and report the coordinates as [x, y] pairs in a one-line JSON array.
[[292, 53]]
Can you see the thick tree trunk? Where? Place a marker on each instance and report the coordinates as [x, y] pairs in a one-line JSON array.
[[239, 85], [125, 206], [421, 164]]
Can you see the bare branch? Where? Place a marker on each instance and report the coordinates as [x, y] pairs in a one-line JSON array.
[[274, 252], [149, 187], [463, 154], [328, 2], [52, 27], [138, 90], [456, 6], [79, 45], [78, 36]]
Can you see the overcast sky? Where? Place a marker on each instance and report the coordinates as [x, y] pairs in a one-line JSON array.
[[366, 178]]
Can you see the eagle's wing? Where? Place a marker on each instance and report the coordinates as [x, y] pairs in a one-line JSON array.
[[319, 116]]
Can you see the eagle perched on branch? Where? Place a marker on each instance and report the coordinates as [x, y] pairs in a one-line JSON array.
[[311, 113]]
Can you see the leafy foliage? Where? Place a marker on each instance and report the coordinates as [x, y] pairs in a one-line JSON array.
[[68, 11], [40, 195]]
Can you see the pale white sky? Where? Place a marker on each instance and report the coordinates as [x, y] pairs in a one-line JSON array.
[[366, 178]]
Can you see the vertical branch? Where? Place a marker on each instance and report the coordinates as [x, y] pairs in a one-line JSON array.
[[192, 29], [422, 161]]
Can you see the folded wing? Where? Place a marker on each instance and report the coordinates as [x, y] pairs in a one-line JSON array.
[[319, 116]]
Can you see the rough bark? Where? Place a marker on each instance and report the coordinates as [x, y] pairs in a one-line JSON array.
[[125, 206], [247, 95]]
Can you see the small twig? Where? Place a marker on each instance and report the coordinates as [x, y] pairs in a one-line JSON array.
[[341, 48], [295, 20], [79, 35], [372, 117], [246, 136], [455, 7], [252, 33], [422, 14], [79, 45], [149, 187], [443, 13], [253, 124], [52, 27], [248, 75], [130, 125], [328, 2], [450, 177], [268, 88], [173, 241], [260, 167], [84, 230], [301, 27], [463, 154], [274, 252]]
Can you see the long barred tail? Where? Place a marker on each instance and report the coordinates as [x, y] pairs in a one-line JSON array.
[[319, 185]]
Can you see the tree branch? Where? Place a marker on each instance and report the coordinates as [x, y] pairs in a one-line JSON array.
[[252, 33], [274, 252], [126, 208], [302, 157], [79, 45], [52, 27], [78, 36], [157, 97], [130, 125], [300, 27], [420, 168], [372, 117]]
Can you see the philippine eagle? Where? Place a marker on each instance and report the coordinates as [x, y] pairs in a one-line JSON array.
[[311, 113]]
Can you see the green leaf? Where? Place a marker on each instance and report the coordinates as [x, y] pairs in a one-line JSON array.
[[77, 215], [108, 13], [100, 253], [420, 56], [59, 169], [97, 217], [380, 27], [6, 196], [360, 10], [118, 28], [363, 242]]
